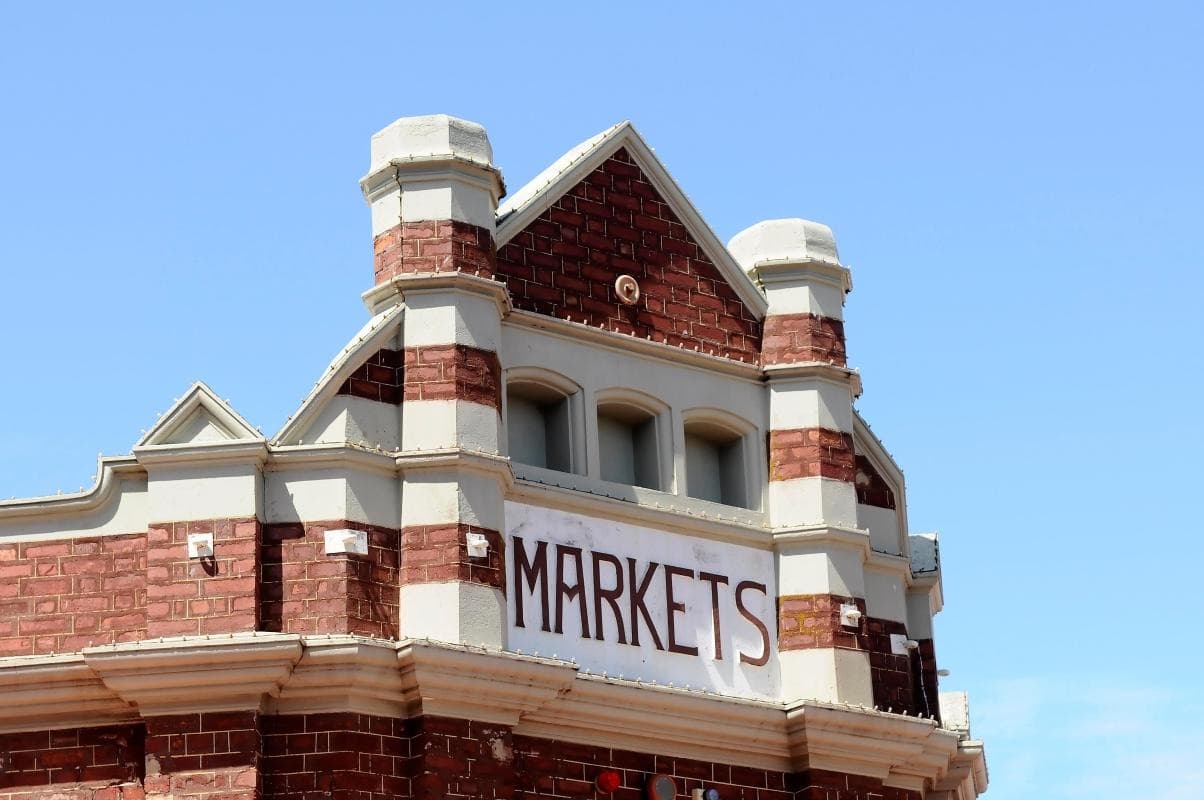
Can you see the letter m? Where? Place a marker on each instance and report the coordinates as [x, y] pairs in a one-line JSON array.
[[526, 575]]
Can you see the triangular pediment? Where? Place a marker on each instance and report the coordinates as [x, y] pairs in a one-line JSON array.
[[610, 208], [200, 417]]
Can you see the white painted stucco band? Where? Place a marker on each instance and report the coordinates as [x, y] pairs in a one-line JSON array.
[[457, 612], [194, 492], [885, 595], [810, 402], [819, 299], [821, 568], [443, 495], [333, 493], [463, 198], [828, 674], [441, 424], [812, 501], [441, 317]]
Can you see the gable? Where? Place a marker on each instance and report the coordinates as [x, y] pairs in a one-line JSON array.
[[199, 417], [614, 222]]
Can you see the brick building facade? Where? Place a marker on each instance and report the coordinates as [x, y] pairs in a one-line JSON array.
[[584, 503]]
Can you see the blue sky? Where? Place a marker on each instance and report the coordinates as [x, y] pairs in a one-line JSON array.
[[1018, 187]]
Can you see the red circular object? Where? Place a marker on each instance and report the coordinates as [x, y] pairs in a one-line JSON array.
[[608, 781]]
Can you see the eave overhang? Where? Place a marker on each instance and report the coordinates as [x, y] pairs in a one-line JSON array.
[[543, 697]]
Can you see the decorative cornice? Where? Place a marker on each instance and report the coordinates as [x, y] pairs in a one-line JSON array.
[[191, 674], [493, 465], [395, 289], [109, 472], [672, 517], [815, 370], [468, 683], [626, 715], [579, 331], [208, 453], [332, 454], [548, 698], [344, 673], [385, 179], [901, 751], [58, 691], [852, 538], [791, 270], [821, 536], [966, 776]]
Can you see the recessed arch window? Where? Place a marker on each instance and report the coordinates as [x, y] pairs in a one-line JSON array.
[[630, 427], [719, 458], [542, 420]]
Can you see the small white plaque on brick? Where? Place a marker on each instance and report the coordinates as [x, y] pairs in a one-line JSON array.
[[200, 545], [342, 541]]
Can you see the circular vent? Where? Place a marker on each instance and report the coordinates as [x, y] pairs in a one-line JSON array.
[[627, 289]]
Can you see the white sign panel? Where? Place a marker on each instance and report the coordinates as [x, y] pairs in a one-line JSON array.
[[642, 603]]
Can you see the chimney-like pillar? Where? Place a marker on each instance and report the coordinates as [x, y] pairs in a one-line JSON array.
[[434, 190], [812, 470]]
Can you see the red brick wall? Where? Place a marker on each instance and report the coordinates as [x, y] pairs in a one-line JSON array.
[[82, 760], [566, 770], [213, 755], [612, 223], [434, 553], [59, 596], [433, 246], [85, 791], [809, 453], [340, 756], [890, 674], [793, 338], [807, 621], [812, 621], [378, 378], [461, 759], [925, 675], [306, 591], [195, 596], [872, 488], [356, 757], [820, 784], [348, 756], [453, 371]]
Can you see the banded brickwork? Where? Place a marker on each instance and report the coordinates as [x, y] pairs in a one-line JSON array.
[[811, 453], [305, 590], [802, 338], [440, 245], [439, 552], [807, 622], [453, 372]]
